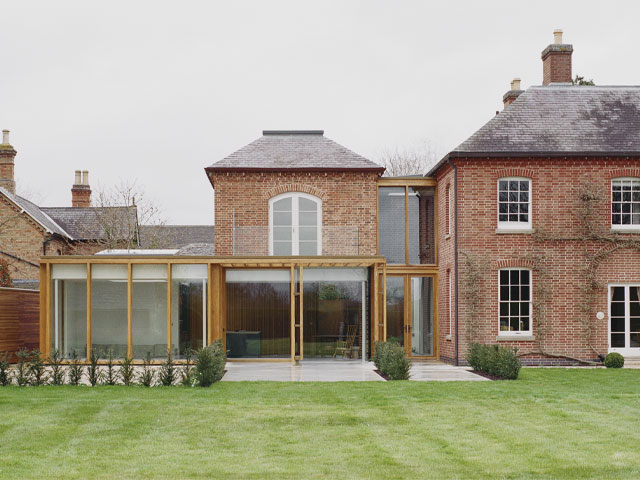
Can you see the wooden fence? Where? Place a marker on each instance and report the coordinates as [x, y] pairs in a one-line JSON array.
[[19, 320]]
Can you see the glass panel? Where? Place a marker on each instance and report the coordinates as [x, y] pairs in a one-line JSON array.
[[617, 324], [308, 218], [308, 248], [307, 205], [282, 205], [282, 248], [282, 218], [617, 340], [334, 305], [422, 316], [395, 309], [188, 308], [109, 324], [69, 314], [308, 233], [282, 234], [258, 312], [421, 225], [617, 294], [391, 224], [149, 321]]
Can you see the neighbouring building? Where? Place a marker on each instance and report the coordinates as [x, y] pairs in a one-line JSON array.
[[524, 235]]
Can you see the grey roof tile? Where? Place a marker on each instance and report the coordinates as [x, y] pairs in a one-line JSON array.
[[175, 236], [35, 212], [294, 150], [90, 223]]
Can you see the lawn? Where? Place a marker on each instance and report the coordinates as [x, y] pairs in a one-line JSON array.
[[562, 423]]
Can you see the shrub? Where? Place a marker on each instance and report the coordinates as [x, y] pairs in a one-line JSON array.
[[37, 369], [22, 374], [76, 370], [390, 360], [126, 371], [57, 370], [187, 374], [495, 360], [93, 372], [397, 340], [168, 374], [210, 364], [147, 376], [5, 373], [5, 276], [614, 360], [110, 377]]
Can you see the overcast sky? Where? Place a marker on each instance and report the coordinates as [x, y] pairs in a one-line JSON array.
[[156, 91]]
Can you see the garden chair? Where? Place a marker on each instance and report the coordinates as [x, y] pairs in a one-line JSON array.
[[344, 346]]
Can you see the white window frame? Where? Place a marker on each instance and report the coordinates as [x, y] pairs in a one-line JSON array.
[[631, 226], [450, 285], [627, 319], [510, 333], [295, 219], [514, 225]]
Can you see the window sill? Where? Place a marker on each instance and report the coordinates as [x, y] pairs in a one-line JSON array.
[[515, 338], [525, 231], [625, 230], [448, 338]]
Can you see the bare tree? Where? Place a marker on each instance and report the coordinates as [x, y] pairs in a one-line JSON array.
[[117, 214], [406, 161]]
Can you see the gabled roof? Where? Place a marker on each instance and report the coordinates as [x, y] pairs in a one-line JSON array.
[[90, 223], [175, 236], [282, 150], [561, 119], [36, 213]]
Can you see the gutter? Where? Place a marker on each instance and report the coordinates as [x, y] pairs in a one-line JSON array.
[[19, 259], [455, 251]]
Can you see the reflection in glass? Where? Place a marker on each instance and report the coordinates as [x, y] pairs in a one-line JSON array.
[[109, 324], [188, 304], [421, 225], [258, 313], [149, 321], [422, 316], [69, 309], [391, 240], [334, 307], [395, 309]]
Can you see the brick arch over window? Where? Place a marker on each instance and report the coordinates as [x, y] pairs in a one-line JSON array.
[[516, 263], [624, 173], [514, 172], [293, 188]]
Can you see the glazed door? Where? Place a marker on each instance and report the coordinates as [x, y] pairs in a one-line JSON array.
[[624, 319], [411, 313]]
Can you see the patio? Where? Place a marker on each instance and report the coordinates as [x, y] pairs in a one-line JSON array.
[[339, 371]]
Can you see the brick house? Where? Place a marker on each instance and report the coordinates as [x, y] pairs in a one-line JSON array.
[[539, 223], [523, 235]]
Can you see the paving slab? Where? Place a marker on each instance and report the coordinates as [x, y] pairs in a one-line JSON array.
[[443, 372], [337, 370]]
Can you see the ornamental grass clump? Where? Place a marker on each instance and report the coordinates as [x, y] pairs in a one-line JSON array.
[[147, 376], [22, 373], [57, 370], [94, 374], [187, 374], [210, 364], [495, 360], [126, 371], [37, 369], [614, 360], [76, 370], [110, 375], [168, 373]]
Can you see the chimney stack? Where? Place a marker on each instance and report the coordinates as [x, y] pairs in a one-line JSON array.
[[7, 157], [556, 61], [515, 91], [81, 192]]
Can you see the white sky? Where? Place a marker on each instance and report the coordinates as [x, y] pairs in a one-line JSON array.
[[156, 91]]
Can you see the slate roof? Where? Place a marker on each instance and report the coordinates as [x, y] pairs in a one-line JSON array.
[[175, 236], [88, 223], [561, 119], [279, 150], [35, 212], [198, 249]]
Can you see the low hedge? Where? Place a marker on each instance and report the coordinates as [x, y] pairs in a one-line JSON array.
[[494, 360], [614, 360], [390, 360]]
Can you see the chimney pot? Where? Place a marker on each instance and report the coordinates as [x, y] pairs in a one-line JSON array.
[[515, 84], [557, 36], [78, 178], [85, 177], [5, 137]]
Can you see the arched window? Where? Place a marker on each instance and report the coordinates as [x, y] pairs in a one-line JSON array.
[[295, 224]]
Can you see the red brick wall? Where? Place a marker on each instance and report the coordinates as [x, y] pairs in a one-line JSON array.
[[445, 263], [348, 201], [555, 185], [556, 67]]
